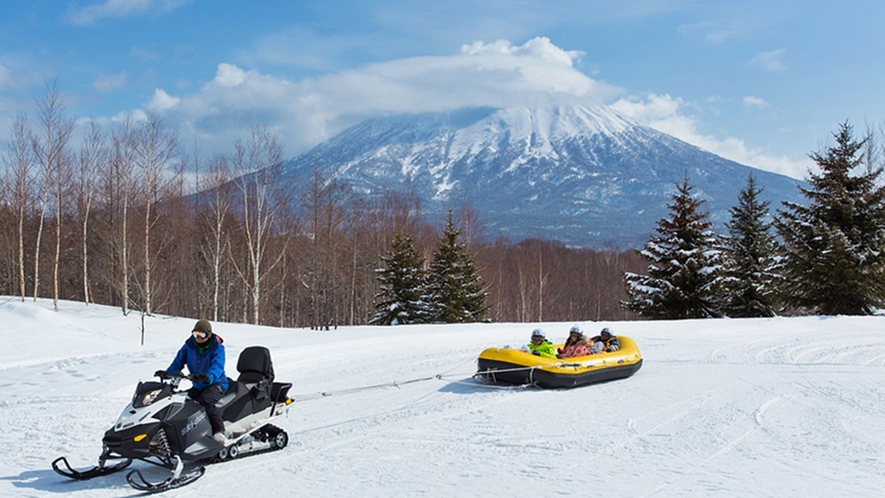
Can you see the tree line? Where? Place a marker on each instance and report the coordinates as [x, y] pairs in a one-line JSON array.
[[121, 215], [826, 257]]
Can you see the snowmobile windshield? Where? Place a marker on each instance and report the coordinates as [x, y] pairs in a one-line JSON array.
[[148, 392]]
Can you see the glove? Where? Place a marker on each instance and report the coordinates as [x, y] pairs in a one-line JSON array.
[[613, 348], [536, 353], [161, 374], [198, 377]]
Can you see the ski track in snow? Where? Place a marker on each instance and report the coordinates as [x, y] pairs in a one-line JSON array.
[[770, 408]]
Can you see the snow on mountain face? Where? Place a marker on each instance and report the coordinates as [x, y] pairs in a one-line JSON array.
[[584, 176]]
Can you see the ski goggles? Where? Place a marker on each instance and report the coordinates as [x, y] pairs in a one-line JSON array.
[[198, 334]]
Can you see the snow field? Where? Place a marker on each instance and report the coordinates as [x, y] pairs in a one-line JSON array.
[[764, 407]]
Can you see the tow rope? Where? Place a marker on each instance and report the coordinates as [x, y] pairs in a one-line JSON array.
[[397, 384], [325, 394]]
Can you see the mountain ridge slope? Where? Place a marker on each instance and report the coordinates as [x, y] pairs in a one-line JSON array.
[[585, 176]]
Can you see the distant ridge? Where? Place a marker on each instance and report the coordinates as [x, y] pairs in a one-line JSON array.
[[585, 176]]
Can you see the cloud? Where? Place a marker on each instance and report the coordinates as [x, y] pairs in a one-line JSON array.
[[116, 9], [770, 61], [714, 33], [669, 115], [144, 54], [109, 82], [753, 101], [229, 75], [498, 74], [162, 101]]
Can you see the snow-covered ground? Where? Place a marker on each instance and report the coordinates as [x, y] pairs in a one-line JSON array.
[[762, 407]]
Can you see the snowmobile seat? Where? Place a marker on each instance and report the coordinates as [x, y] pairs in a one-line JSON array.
[[252, 390], [256, 371]]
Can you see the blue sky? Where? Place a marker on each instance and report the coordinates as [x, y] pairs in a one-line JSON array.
[[760, 82]]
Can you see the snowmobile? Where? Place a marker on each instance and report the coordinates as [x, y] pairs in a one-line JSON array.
[[165, 427]]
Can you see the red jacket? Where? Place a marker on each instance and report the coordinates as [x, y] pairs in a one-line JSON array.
[[574, 350]]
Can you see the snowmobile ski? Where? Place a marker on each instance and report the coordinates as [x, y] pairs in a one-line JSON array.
[[99, 470], [177, 480]]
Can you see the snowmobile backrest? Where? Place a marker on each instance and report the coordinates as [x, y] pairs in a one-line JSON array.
[[255, 365]]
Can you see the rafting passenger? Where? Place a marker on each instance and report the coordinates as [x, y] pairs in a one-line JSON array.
[[605, 341], [575, 345], [540, 346]]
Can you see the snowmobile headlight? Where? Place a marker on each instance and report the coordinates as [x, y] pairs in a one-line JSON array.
[[146, 398]]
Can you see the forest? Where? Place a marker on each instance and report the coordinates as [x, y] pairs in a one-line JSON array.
[[125, 217]]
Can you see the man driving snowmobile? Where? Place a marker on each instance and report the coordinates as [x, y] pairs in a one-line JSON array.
[[203, 353], [170, 428]]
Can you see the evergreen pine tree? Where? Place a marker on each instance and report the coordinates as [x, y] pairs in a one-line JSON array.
[[454, 288], [834, 252], [751, 263], [684, 274], [402, 285]]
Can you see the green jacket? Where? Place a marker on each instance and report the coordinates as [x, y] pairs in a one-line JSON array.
[[544, 349]]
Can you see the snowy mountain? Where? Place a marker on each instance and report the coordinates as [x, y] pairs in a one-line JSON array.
[[584, 176]]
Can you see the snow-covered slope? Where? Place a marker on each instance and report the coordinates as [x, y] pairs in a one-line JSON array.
[[585, 176], [754, 407]]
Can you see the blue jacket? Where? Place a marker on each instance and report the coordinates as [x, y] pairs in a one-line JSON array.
[[211, 362]]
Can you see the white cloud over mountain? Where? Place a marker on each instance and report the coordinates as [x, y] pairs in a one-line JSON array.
[[670, 115], [499, 74]]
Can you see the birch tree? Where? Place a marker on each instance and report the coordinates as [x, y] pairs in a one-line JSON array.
[[257, 162], [214, 186], [154, 149], [19, 161], [50, 150], [119, 188], [93, 155]]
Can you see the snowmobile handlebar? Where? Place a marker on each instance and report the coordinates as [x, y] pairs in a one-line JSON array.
[[177, 376]]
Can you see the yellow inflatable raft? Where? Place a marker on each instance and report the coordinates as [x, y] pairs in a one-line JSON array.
[[513, 366]]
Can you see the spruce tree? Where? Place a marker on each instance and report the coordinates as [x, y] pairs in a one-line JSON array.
[[684, 274], [751, 262], [834, 252], [401, 285], [454, 288]]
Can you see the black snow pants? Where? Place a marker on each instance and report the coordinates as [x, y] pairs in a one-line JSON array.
[[208, 397]]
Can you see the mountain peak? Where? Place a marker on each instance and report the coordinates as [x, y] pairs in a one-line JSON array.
[[583, 175]]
